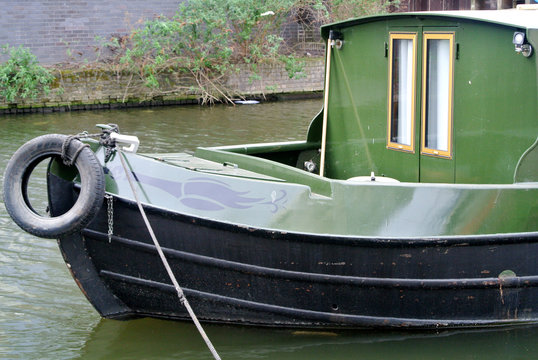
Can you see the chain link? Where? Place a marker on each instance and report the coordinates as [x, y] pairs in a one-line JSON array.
[[110, 213]]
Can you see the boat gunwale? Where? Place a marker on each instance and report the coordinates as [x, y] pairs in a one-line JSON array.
[[374, 241]]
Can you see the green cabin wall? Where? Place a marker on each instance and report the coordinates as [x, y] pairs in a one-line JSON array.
[[495, 111], [495, 117]]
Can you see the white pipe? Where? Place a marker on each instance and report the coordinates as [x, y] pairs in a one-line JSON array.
[[325, 108]]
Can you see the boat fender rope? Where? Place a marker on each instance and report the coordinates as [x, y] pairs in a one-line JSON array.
[[179, 290], [65, 148]]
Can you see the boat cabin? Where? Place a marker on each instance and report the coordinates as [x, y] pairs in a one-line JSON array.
[[448, 97], [433, 97]]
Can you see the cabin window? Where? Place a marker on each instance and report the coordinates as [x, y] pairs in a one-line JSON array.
[[437, 94], [401, 91]]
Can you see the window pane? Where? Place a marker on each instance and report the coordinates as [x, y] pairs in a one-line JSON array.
[[437, 94], [402, 91]]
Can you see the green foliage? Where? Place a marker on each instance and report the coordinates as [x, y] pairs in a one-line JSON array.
[[207, 39], [293, 67], [22, 76], [323, 11]]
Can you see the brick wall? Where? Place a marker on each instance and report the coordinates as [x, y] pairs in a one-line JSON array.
[[95, 89], [273, 78], [54, 28]]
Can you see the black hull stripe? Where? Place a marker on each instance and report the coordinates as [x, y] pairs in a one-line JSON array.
[[313, 316], [426, 284]]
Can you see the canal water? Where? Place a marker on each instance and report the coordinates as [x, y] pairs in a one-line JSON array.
[[43, 314]]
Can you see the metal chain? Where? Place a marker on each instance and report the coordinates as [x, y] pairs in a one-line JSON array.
[[110, 212]]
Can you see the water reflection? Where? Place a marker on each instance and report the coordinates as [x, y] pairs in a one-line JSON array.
[[158, 339]]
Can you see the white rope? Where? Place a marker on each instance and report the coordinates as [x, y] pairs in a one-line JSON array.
[[180, 293]]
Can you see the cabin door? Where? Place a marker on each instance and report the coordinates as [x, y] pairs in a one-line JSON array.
[[419, 138], [436, 105], [402, 156]]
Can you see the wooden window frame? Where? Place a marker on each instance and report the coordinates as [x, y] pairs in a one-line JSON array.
[[447, 154], [390, 144]]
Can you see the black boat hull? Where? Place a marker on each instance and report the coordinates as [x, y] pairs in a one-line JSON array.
[[240, 275]]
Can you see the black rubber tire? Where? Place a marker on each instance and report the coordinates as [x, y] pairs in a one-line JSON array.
[[19, 169]]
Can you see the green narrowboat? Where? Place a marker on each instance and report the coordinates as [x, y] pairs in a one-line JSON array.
[[413, 201]]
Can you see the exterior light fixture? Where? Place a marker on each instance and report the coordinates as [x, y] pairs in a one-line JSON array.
[[337, 40], [520, 46], [338, 43]]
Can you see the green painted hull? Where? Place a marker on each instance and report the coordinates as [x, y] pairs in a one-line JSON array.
[[283, 198]]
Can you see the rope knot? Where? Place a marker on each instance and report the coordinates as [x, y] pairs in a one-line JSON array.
[[65, 148]]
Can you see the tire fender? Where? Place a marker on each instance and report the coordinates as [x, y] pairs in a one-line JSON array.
[[17, 174]]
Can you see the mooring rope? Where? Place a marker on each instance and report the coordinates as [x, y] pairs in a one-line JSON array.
[[181, 295]]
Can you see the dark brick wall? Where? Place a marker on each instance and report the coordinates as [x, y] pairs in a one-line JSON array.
[[436, 5], [54, 28]]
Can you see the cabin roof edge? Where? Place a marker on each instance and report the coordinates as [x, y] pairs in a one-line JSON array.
[[527, 19]]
